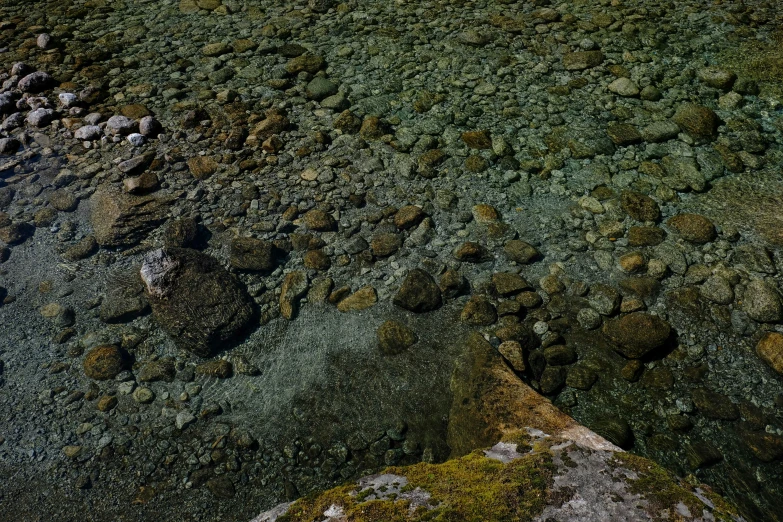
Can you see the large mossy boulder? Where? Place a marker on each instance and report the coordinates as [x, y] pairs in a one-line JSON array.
[[199, 304]]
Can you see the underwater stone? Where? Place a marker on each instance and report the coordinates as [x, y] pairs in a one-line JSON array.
[[199, 304]]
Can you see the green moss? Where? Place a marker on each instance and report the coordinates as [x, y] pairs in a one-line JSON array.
[[463, 490], [663, 490]]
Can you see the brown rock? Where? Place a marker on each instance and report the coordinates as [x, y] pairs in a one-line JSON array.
[[104, 362], [770, 349], [247, 253], [394, 337], [470, 252], [477, 139], [202, 167], [120, 219], [478, 311], [385, 244], [311, 63], [362, 299], [220, 368], [637, 334], [106, 403], [294, 286], [520, 252], [194, 299], [316, 260], [408, 217], [507, 283], [623, 134], [639, 206], [693, 227], [580, 60], [645, 236], [418, 292], [697, 120], [512, 353], [319, 220]]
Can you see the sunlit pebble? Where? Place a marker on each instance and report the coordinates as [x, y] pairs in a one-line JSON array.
[[43, 41], [136, 139], [68, 99]]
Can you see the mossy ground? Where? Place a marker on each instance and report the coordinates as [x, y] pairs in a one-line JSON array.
[[463, 490], [663, 490]]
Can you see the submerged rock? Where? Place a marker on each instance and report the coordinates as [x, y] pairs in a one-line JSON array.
[[637, 334], [199, 304], [120, 219]]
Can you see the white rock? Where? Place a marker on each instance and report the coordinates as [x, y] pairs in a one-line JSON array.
[[67, 99], [88, 133], [136, 139]]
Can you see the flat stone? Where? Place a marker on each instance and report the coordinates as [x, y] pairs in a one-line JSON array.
[[195, 300], [770, 350], [295, 285], [418, 292], [697, 120], [362, 299], [394, 337], [202, 167], [247, 253], [693, 227], [580, 60], [637, 333]]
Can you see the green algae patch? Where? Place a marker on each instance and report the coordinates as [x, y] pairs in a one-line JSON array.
[[461, 490], [758, 60], [663, 490]]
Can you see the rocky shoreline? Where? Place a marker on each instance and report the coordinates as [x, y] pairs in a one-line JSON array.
[[241, 244]]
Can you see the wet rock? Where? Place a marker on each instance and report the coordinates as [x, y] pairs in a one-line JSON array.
[[693, 227], [194, 299], [121, 125], [718, 78], [180, 232], [362, 299], [104, 362], [158, 370], [294, 287], [697, 120], [718, 290], [184, 419], [660, 131], [637, 333], [16, 233], [639, 206], [88, 133], [604, 299], [418, 293], [714, 405], [477, 139], [408, 217], [767, 447], [63, 201], [59, 315], [40, 117], [513, 354], [645, 236], [506, 283], [615, 430], [143, 395], [581, 378], [122, 220], [552, 380], [9, 145], [310, 63], [247, 253], [470, 252], [36, 82], [385, 244], [149, 126], [220, 368], [580, 60], [124, 300], [202, 167], [317, 260], [559, 355], [106, 403], [770, 349], [479, 311], [762, 302], [394, 337], [319, 221], [624, 134], [221, 487], [520, 251], [624, 87], [320, 88]]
